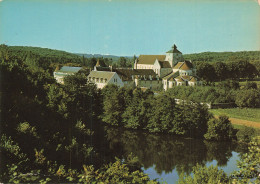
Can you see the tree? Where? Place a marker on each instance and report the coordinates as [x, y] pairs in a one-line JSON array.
[[220, 129], [205, 175], [122, 62], [205, 71], [220, 70], [250, 85], [249, 164], [77, 80], [246, 134], [248, 98], [135, 114], [113, 105], [161, 117]]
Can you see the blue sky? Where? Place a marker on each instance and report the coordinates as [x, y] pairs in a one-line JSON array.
[[128, 27]]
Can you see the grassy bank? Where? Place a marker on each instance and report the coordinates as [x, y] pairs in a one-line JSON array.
[[249, 114]]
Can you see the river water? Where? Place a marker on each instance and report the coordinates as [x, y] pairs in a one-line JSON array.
[[165, 157]]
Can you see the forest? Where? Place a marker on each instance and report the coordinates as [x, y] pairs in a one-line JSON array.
[[48, 130]]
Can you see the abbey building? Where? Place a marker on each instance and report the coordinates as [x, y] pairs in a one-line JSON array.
[[171, 68], [154, 72]]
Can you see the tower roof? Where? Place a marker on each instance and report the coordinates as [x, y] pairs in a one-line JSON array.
[[174, 50], [98, 64]]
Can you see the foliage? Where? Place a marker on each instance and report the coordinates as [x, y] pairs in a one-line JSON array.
[[246, 134], [250, 85], [219, 71], [205, 71], [249, 165], [220, 129], [142, 110], [116, 172], [248, 98], [224, 56], [205, 175], [249, 170]]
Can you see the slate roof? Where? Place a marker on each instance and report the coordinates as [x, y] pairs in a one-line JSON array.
[[69, 69], [126, 74], [165, 64], [102, 74], [171, 75], [150, 59]]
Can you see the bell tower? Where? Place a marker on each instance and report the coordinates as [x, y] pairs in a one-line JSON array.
[[174, 56]]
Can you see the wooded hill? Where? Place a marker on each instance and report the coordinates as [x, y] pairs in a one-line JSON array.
[[47, 56], [224, 56]]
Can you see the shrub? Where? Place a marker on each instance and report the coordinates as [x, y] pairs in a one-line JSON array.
[[220, 129], [246, 134], [205, 175]]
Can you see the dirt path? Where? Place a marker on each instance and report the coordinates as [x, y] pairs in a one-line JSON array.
[[245, 122]]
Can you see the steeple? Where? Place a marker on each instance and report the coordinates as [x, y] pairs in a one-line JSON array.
[[174, 50]]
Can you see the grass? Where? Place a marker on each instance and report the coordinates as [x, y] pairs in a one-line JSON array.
[[239, 127], [249, 114], [243, 83]]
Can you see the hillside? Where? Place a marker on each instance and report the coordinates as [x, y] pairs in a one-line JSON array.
[[47, 56], [251, 56]]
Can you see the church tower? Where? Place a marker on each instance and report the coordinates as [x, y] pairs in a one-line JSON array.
[[174, 56]]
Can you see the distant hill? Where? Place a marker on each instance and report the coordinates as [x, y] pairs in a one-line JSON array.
[[224, 56], [113, 57]]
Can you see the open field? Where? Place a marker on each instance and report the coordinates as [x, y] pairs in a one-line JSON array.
[[248, 114]]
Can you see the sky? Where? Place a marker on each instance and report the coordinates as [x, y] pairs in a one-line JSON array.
[[131, 27]]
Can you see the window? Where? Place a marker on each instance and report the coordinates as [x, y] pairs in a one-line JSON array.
[[105, 80], [101, 80]]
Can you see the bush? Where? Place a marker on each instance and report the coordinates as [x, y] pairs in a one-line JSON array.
[[205, 175], [220, 129], [248, 98], [246, 134]]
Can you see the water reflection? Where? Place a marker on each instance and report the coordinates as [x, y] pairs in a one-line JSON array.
[[166, 152]]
